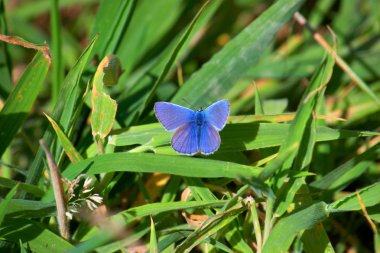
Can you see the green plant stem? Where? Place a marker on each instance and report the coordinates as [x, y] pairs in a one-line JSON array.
[[268, 218], [257, 227], [56, 45]]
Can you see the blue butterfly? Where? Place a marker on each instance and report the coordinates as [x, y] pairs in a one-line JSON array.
[[195, 131]]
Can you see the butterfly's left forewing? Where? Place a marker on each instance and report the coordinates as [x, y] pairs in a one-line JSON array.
[[172, 116]]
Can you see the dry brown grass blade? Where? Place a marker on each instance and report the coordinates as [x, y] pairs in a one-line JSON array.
[[371, 223], [58, 192], [21, 42], [339, 61]]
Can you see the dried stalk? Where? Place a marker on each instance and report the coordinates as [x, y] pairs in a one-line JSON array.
[[58, 193]]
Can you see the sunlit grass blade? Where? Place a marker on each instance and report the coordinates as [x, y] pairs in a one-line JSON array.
[[70, 150], [176, 165], [235, 137], [153, 248], [210, 83]]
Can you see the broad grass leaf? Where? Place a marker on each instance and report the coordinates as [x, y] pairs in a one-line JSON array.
[[235, 137], [35, 235], [285, 230], [20, 101], [149, 163], [29, 188], [218, 75], [111, 21], [346, 173], [370, 196], [22, 208], [143, 34]]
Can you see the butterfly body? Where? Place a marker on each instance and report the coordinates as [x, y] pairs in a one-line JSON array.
[[194, 131]]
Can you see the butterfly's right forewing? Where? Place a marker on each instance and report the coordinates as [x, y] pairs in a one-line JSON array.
[[217, 114], [172, 116]]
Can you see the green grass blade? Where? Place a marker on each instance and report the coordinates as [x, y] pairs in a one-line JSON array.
[[4, 204], [144, 34], [346, 173], [156, 208], [148, 163], [111, 21], [304, 113], [70, 150], [142, 101], [284, 232], [5, 60], [305, 125], [36, 236], [70, 96], [56, 48], [217, 76], [22, 208], [370, 196], [235, 137], [21, 100], [210, 227], [29, 188], [153, 247], [258, 103], [128, 216], [315, 239]]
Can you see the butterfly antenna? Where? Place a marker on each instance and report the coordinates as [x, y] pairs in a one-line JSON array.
[[188, 103]]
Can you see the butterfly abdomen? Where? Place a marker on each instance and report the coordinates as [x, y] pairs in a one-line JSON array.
[[199, 120]]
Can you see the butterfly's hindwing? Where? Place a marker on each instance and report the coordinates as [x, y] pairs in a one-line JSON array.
[[209, 139], [185, 139]]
